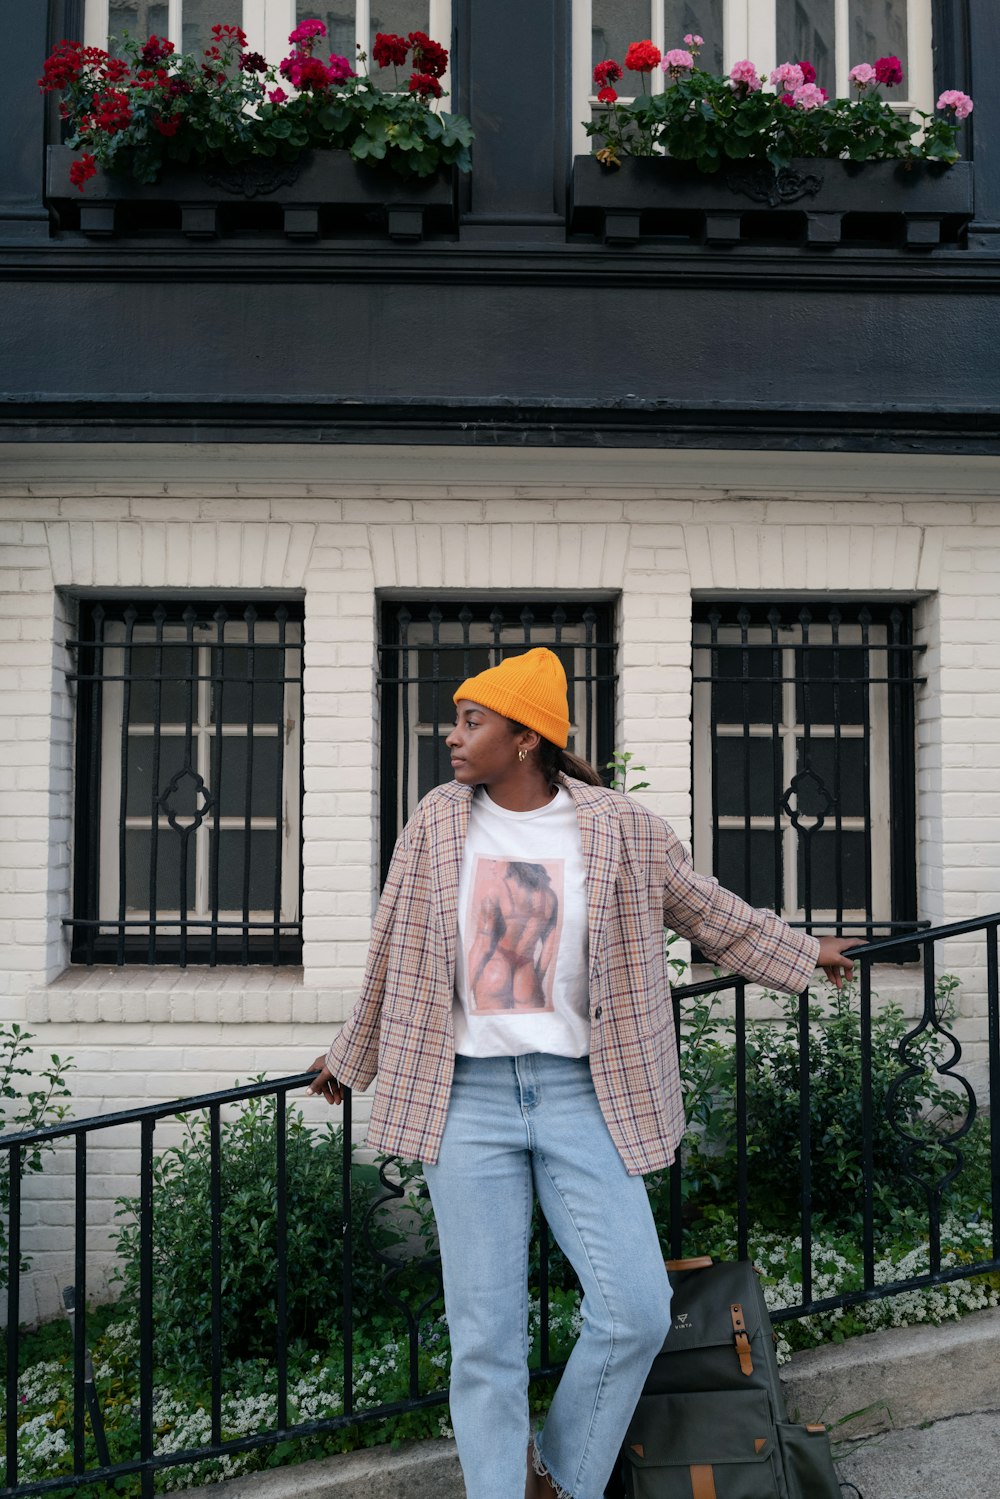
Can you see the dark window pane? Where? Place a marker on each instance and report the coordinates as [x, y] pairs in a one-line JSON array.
[[704, 17], [819, 669], [735, 703], [175, 668], [201, 15], [141, 794], [615, 23], [823, 861], [437, 706], [168, 869], [262, 856], [399, 17], [731, 872], [232, 788], [822, 758], [806, 32], [877, 30], [139, 18], [239, 679], [733, 757], [339, 22], [427, 776]]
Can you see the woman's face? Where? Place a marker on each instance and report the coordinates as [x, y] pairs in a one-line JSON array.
[[483, 749]]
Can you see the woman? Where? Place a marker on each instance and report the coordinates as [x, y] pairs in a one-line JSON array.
[[516, 1009]]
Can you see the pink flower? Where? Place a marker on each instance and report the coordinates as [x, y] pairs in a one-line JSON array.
[[863, 76], [694, 41], [677, 61], [745, 75], [340, 69], [277, 96], [889, 70], [953, 98], [788, 75], [788, 100], [306, 30], [808, 96]]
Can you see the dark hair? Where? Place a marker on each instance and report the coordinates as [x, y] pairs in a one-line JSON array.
[[555, 762]]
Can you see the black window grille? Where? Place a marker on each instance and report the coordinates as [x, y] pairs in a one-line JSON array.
[[188, 820], [427, 648], [803, 759]]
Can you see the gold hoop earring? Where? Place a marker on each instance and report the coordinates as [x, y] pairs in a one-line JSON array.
[[522, 755]]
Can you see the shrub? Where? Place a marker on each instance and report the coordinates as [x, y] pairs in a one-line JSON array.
[[23, 1110]]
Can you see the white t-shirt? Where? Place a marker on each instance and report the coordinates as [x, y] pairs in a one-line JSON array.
[[521, 969]]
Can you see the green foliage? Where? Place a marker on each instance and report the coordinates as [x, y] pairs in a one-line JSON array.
[[915, 1116], [702, 118], [182, 1239], [621, 767], [23, 1109]]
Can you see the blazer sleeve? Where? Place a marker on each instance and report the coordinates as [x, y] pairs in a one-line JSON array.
[[353, 1056], [754, 943]]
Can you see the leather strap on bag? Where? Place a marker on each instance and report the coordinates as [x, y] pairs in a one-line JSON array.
[[702, 1481], [740, 1338], [698, 1262]]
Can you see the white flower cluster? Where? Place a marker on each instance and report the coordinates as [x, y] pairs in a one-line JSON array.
[[40, 1445], [42, 1384], [179, 1426]]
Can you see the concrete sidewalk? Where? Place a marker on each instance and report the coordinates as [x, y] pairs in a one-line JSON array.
[[914, 1413]]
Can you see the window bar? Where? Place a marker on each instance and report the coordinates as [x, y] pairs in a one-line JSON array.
[[865, 619], [805, 1146], [777, 777], [189, 618], [77, 1298], [838, 815], [146, 1306], [903, 861], [714, 619], [281, 616], [347, 1260], [591, 667], [13, 1304], [465, 620], [435, 616], [250, 615], [215, 1230], [929, 1020], [130, 616], [993, 1003], [527, 620], [496, 624], [743, 619], [867, 1126], [281, 1230], [742, 1213], [218, 688], [159, 618], [805, 834], [97, 701], [403, 688]]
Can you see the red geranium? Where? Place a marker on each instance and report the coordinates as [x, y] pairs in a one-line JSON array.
[[808, 71], [230, 34], [642, 57], [389, 50], [888, 70], [168, 124], [112, 111], [156, 50], [607, 72], [428, 56], [424, 85], [82, 170], [606, 95]]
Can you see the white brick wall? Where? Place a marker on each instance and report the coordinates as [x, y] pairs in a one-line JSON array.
[[138, 1036]]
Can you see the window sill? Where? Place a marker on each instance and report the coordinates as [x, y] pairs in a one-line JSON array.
[[815, 203], [225, 996]]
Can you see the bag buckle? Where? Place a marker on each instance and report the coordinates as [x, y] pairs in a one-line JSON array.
[[740, 1338]]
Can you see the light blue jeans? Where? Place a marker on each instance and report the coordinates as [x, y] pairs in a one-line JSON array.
[[518, 1126]]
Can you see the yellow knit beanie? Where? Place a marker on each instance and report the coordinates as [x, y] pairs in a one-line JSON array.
[[530, 689]]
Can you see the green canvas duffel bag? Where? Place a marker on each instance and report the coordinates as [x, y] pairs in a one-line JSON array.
[[711, 1423]]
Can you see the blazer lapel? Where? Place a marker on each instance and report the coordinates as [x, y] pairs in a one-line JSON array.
[[600, 838], [448, 833]]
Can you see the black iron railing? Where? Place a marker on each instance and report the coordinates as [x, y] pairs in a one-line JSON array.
[[147, 1462]]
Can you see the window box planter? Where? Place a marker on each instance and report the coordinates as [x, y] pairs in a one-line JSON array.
[[322, 193], [813, 202]]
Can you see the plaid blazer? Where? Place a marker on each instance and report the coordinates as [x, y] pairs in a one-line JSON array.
[[639, 878]]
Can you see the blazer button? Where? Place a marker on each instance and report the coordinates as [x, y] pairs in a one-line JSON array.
[[597, 1013]]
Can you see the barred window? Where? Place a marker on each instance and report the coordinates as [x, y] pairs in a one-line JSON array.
[[427, 648], [189, 734], [803, 760]]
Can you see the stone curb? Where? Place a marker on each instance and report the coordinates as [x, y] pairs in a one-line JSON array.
[[883, 1381]]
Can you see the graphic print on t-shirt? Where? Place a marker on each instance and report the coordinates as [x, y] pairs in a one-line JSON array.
[[512, 927]]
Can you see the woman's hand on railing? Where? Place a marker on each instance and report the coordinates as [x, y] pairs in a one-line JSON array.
[[325, 1085], [832, 958]]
